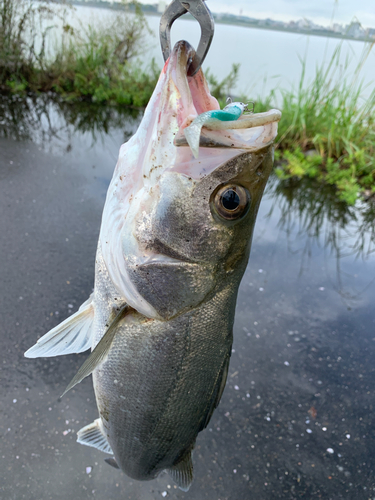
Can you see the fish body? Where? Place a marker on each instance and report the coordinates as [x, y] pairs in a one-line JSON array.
[[174, 243]]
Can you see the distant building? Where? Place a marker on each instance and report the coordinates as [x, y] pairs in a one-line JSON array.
[[303, 23], [337, 28], [355, 30]]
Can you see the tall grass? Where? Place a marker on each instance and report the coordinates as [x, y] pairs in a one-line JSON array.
[[327, 129], [21, 25], [94, 62], [99, 63]]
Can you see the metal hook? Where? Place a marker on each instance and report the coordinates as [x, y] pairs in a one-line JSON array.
[[250, 110], [246, 109], [199, 10]]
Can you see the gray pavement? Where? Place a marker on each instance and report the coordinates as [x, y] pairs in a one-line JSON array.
[[296, 418]]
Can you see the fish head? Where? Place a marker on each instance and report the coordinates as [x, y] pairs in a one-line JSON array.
[[176, 229]]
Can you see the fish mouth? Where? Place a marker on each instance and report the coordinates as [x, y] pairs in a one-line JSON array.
[[192, 93], [251, 131]]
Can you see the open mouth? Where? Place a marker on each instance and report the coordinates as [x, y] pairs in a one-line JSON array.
[[249, 132]]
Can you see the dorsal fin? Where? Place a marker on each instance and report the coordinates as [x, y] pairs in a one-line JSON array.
[[182, 473], [71, 336], [94, 435]]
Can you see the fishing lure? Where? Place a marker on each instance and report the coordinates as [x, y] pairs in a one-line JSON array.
[[211, 119]]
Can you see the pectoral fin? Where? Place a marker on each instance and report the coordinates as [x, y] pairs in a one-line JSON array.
[[182, 473], [71, 336], [100, 352], [94, 435]]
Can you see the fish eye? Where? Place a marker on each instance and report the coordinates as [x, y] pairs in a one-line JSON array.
[[231, 202]]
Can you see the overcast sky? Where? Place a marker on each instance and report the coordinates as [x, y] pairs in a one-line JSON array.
[[319, 11]]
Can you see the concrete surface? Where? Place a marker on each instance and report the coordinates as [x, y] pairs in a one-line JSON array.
[[296, 420]]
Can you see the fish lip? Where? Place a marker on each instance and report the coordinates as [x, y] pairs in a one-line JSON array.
[[185, 55]]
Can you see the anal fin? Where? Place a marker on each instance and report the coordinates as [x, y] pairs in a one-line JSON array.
[[182, 473], [93, 435]]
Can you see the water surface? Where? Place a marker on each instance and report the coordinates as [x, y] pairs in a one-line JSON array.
[[268, 59]]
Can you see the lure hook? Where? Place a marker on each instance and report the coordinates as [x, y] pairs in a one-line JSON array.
[[250, 110]]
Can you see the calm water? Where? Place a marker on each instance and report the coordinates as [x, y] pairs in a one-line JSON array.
[[296, 417], [268, 59]]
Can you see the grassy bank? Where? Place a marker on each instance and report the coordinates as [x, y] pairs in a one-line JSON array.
[[327, 131], [97, 63]]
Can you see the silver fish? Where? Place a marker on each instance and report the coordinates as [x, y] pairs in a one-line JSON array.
[[174, 243]]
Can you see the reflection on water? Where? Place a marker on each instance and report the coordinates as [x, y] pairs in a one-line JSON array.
[[319, 227], [49, 121], [312, 209]]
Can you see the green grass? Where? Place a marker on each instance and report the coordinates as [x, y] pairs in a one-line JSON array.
[[101, 64], [94, 69], [95, 63], [327, 129]]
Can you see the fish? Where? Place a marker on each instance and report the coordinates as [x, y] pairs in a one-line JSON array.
[[173, 246]]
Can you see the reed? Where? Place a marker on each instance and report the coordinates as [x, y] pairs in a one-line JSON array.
[[97, 63], [327, 129], [100, 62], [20, 54]]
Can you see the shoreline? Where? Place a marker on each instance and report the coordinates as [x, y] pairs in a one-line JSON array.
[[149, 12]]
